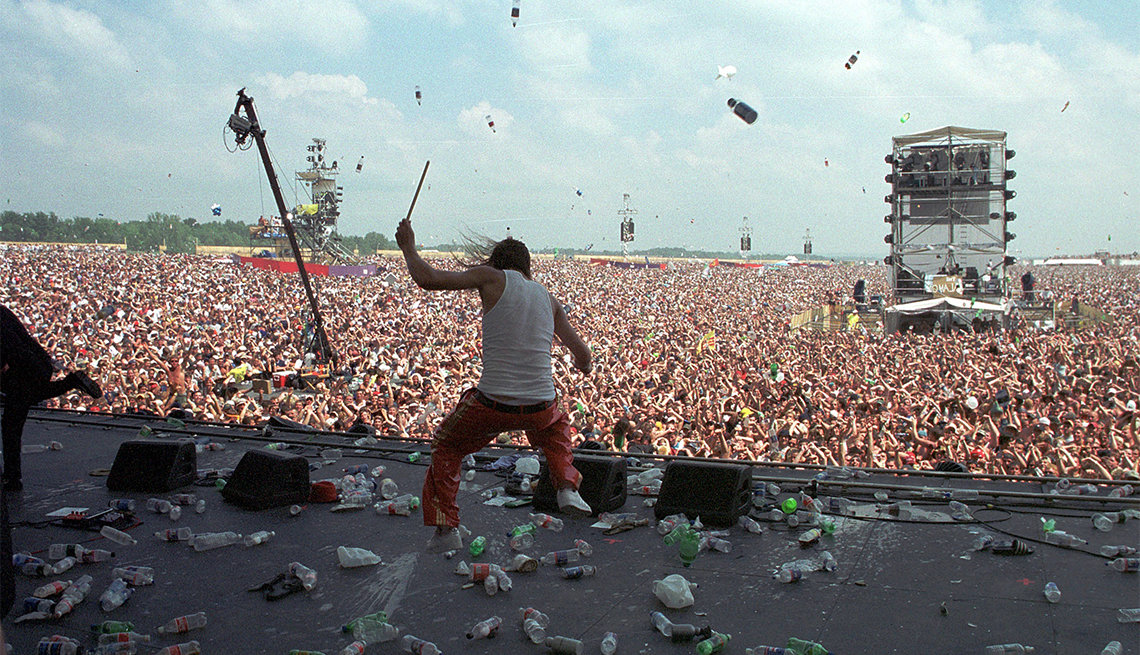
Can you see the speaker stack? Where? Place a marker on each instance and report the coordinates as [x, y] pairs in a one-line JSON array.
[[718, 493]]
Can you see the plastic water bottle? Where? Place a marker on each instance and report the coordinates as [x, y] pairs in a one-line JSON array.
[[180, 534], [158, 505], [133, 577], [1016, 649], [1064, 539], [355, 648], [200, 506], [308, 576], [259, 537], [1113, 648], [59, 551], [584, 549], [485, 628], [578, 572], [57, 645], [183, 624], [714, 644], [122, 504], [1126, 564], [1129, 615], [1113, 551], [790, 574], [211, 540], [389, 489], [983, 542], [827, 562], [561, 557], [720, 545], [810, 537], [33, 604], [750, 524], [609, 643], [491, 585], [1052, 593], [51, 588], [418, 646], [1122, 491], [117, 536], [128, 637], [768, 650], [188, 648], [116, 594], [746, 113], [63, 565], [175, 513]]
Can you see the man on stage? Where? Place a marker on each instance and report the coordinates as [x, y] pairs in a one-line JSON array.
[[516, 389]]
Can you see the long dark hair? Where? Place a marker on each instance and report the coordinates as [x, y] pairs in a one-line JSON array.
[[510, 253]]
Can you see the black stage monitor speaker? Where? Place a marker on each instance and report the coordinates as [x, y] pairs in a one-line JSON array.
[[153, 466], [267, 478], [603, 484], [718, 493]]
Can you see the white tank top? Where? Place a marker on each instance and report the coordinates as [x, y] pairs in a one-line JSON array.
[[518, 334]]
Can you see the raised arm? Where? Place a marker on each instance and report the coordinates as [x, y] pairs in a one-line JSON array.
[[428, 277], [569, 337]]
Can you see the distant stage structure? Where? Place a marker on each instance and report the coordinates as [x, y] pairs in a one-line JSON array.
[[314, 221], [949, 223]]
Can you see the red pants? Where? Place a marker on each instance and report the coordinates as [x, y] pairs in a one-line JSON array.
[[468, 428]]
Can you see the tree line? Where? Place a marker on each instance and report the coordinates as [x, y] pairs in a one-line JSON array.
[[177, 234]]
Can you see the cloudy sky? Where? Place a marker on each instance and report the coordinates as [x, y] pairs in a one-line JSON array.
[[118, 108]]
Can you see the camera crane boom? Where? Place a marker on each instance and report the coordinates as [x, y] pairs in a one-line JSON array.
[[244, 127]]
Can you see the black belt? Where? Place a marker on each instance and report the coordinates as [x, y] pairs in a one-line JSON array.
[[512, 409]]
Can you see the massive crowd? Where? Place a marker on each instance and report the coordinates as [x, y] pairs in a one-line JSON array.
[[686, 360]]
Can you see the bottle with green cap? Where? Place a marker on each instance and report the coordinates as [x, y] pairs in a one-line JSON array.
[[689, 547], [713, 644]]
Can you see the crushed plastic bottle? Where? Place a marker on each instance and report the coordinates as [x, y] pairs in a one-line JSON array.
[[584, 549], [478, 545], [983, 542], [790, 574], [353, 557], [115, 595], [371, 630], [175, 534], [158, 505], [1129, 615], [183, 624], [389, 489], [563, 646]]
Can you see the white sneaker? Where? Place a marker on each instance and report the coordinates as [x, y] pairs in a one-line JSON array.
[[571, 504], [445, 540]]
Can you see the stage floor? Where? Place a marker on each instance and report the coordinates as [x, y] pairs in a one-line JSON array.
[[886, 596]]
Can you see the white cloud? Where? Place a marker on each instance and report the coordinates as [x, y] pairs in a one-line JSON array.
[[79, 34]]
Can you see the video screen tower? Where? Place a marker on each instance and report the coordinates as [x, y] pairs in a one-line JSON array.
[[949, 223], [316, 221]]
